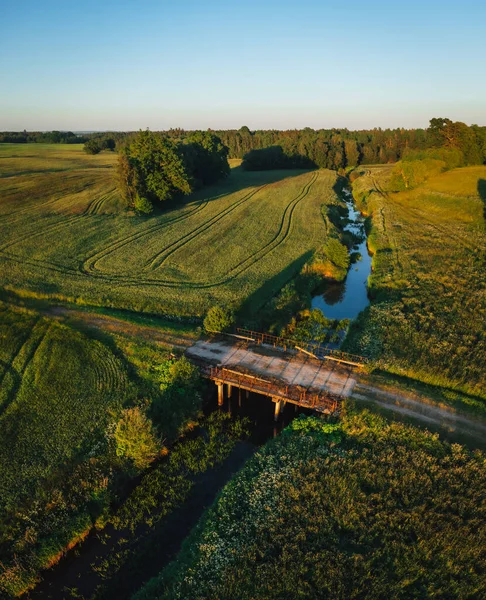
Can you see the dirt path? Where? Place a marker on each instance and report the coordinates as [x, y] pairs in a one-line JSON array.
[[151, 334], [421, 409]]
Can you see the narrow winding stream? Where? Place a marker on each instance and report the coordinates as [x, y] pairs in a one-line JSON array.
[[347, 299]]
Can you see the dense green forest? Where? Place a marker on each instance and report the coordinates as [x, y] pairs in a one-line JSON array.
[[363, 508]]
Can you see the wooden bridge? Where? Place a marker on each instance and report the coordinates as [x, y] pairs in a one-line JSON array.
[[278, 392], [249, 364], [314, 349]]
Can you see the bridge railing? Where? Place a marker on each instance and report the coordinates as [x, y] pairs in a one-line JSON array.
[[316, 349], [303, 396]]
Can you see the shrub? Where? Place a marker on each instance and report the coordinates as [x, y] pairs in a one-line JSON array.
[[218, 319], [143, 205], [92, 147], [135, 438]]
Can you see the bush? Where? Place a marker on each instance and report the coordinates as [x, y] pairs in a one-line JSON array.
[[143, 205], [218, 319], [135, 438], [92, 147]]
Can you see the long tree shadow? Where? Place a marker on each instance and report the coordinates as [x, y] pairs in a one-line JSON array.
[[253, 311], [482, 194], [239, 179]]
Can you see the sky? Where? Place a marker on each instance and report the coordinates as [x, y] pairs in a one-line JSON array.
[[131, 64]]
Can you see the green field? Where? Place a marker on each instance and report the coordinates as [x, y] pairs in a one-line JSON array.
[[361, 509], [63, 388], [59, 391], [65, 234], [428, 315]]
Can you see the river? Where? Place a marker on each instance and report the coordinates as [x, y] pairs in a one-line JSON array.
[[347, 299]]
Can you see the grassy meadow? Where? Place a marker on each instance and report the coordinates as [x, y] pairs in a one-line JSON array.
[[427, 319], [59, 390], [64, 386], [360, 509], [66, 234]]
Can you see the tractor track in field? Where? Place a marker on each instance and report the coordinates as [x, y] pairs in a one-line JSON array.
[[159, 259], [90, 211], [284, 228], [234, 271], [89, 264], [59, 196], [19, 373]]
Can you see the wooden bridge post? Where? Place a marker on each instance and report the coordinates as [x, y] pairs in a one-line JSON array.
[[278, 407], [239, 397], [220, 392], [229, 390]]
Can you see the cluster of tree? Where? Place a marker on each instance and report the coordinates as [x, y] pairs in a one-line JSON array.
[[155, 167], [96, 145], [341, 148], [417, 166], [42, 137]]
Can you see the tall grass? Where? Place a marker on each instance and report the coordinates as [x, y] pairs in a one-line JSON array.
[[427, 318], [361, 509]]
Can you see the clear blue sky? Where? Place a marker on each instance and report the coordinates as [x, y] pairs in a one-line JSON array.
[[130, 64]]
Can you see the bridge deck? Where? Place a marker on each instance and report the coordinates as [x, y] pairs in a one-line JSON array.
[[291, 370]]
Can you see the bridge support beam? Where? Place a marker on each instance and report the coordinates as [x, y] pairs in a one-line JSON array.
[[279, 404], [229, 390], [220, 393]]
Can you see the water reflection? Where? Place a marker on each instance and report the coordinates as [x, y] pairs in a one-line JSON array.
[[346, 300]]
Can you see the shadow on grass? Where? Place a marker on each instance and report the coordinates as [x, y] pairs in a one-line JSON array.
[[261, 298], [238, 180]]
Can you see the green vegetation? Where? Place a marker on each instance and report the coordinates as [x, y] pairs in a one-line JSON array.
[[341, 148], [134, 536], [78, 417], [155, 168], [135, 438], [427, 319], [360, 509], [67, 235], [218, 319]]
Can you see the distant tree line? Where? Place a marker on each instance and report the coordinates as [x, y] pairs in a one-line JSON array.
[[42, 137], [305, 148], [340, 148], [155, 168]]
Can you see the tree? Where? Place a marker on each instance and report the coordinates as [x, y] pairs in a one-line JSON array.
[[158, 168], [206, 158], [218, 319], [92, 147], [109, 144], [151, 166], [135, 438]]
